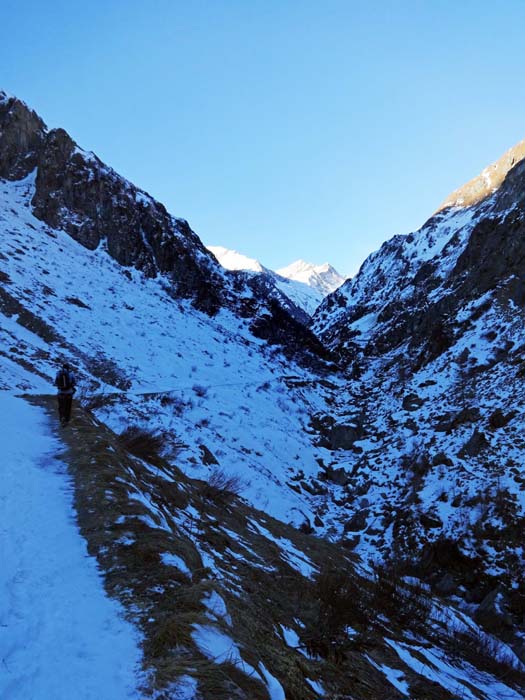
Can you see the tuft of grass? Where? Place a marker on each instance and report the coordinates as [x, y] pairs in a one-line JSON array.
[[142, 443], [402, 601], [484, 652], [171, 634], [222, 487], [338, 602]]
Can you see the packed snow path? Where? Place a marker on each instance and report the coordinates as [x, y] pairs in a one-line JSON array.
[[61, 637]]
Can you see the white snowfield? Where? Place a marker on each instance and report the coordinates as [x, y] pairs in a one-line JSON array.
[[303, 283], [323, 277], [61, 637]]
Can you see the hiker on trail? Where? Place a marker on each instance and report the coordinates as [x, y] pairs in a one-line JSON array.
[[65, 383]]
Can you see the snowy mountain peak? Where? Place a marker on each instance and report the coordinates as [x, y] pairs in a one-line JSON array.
[[411, 463], [324, 278], [232, 260], [305, 284]]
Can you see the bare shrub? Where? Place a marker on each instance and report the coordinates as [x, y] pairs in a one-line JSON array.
[[485, 652], [200, 390], [401, 600], [337, 604], [177, 405], [221, 486], [142, 443]]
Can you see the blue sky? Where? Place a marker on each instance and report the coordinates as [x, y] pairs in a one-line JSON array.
[[282, 129]]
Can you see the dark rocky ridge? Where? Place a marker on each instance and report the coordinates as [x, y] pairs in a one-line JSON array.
[[75, 191], [22, 134], [416, 300], [433, 324]]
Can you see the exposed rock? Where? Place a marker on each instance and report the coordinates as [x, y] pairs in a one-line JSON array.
[[498, 419], [474, 445], [357, 522], [314, 487], [342, 437], [430, 521], [489, 180], [411, 402], [207, 456], [441, 458], [22, 133], [452, 420], [337, 436], [337, 476], [446, 584], [491, 611], [277, 326]]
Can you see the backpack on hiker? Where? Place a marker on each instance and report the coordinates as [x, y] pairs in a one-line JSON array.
[[64, 381]]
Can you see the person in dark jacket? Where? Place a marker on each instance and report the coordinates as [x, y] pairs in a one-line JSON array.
[[66, 385]]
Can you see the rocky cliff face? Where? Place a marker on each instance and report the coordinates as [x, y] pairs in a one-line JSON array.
[[413, 287], [432, 327], [76, 192], [411, 467], [487, 182]]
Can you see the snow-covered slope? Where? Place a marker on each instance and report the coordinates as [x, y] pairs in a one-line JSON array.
[[305, 284], [127, 333], [238, 594], [60, 636], [432, 330]]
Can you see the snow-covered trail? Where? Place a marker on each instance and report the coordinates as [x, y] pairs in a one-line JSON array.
[[61, 637]]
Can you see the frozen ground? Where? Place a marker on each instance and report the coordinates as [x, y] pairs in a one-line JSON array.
[[61, 637]]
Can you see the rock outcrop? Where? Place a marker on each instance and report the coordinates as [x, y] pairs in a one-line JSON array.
[[412, 289], [76, 192]]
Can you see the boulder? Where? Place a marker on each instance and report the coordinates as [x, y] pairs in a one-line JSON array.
[[446, 585], [411, 402], [430, 521], [357, 522], [498, 419], [441, 458], [474, 445], [207, 456]]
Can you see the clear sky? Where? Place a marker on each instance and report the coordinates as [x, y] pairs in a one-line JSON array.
[[283, 129]]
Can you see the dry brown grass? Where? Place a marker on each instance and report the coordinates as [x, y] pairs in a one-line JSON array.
[[142, 443], [222, 487], [260, 588]]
